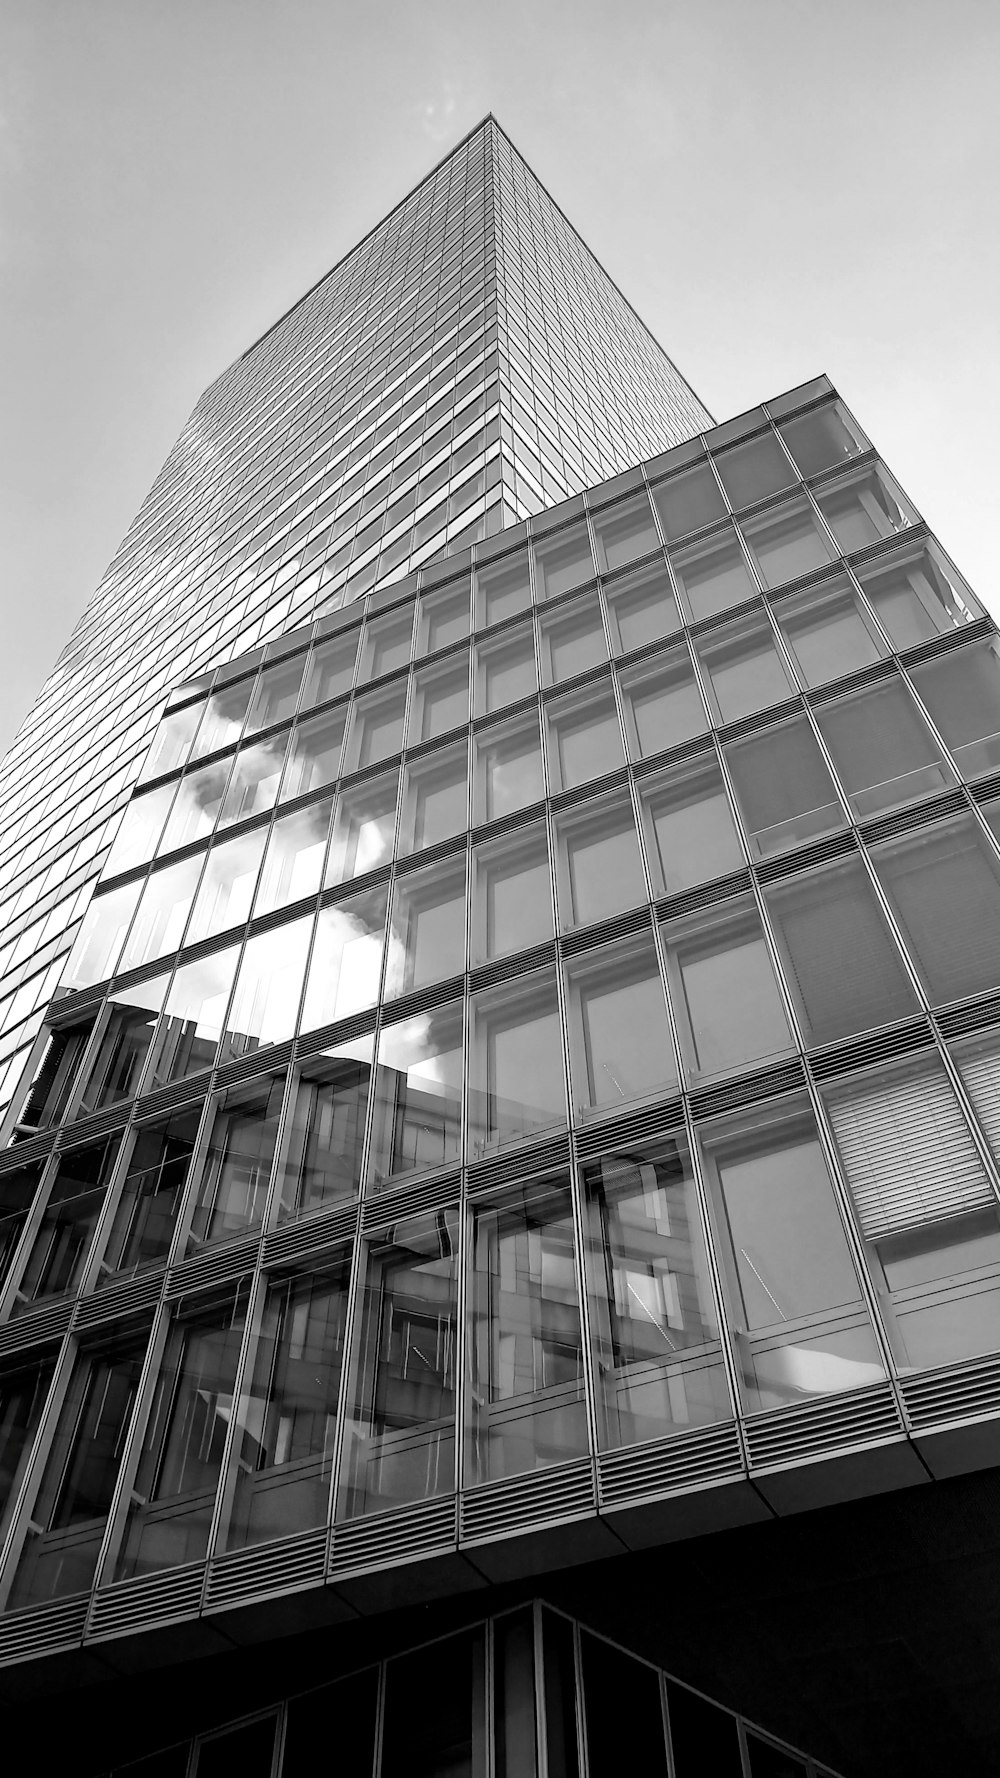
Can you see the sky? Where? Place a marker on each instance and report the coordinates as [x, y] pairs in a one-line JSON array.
[[779, 187]]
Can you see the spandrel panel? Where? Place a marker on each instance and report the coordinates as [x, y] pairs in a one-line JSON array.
[[275, 695], [62, 1243], [507, 769], [222, 723], [742, 670], [400, 1434], [197, 805], [283, 1457], [158, 927], [321, 1163], [173, 1496], [268, 987], [787, 542], [440, 699], [505, 668], [427, 928], [435, 803], [688, 827], [841, 965], [571, 639], [376, 728], [663, 706], [364, 828], [599, 865], [619, 1037], [526, 1403], [226, 890], [962, 693], [724, 993], [916, 598], [752, 470], [654, 1320], [625, 532], [563, 561], [293, 861], [516, 1084], [66, 1528], [794, 1297], [828, 633], [345, 968], [502, 589], [883, 751], [925, 1208], [943, 885], [783, 787], [314, 754], [821, 438], [122, 1044], [194, 1013], [512, 894], [584, 736], [417, 1125], [687, 502], [331, 669], [99, 941], [253, 786], [236, 1169], [172, 742], [150, 1196], [641, 608], [713, 575], [138, 836]]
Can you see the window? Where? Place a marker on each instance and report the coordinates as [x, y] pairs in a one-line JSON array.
[[385, 643], [688, 501], [600, 866], [821, 438], [862, 509], [641, 608], [840, 962], [508, 769], [512, 895], [663, 706], [150, 1196], [275, 695], [268, 988], [435, 799], [73, 1204], [314, 756], [658, 1359], [883, 751], [713, 575], [418, 1097], [232, 1190], [962, 693], [400, 1442], [505, 668], [376, 730], [783, 788], [253, 784], [427, 928], [331, 669], [321, 1163], [563, 560], [742, 668], [502, 589], [787, 542], [689, 829], [140, 830], [620, 1046], [293, 861], [527, 1397], [99, 941], [572, 639], [794, 1295], [624, 532], [23, 1392], [172, 741], [944, 888], [443, 617], [516, 1071], [440, 699], [828, 634], [122, 1044], [925, 1207], [724, 991], [227, 885], [224, 713], [916, 598], [364, 828], [754, 469], [345, 968]]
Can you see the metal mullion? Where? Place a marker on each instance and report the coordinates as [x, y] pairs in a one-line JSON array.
[[135, 1438], [34, 1470], [782, 649], [922, 998], [538, 1676], [273, 1198], [665, 1720], [880, 1321], [379, 1010], [717, 1275], [991, 1163], [226, 1483], [839, 790], [379, 1734], [946, 753], [109, 1207], [348, 1376], [784, 990], [582, 1743], [463, 1342], [192, 1185]]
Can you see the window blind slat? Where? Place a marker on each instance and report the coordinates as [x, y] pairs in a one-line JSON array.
[[909, 1155]]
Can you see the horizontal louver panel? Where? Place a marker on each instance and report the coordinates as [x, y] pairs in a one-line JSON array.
[[909, 1154]]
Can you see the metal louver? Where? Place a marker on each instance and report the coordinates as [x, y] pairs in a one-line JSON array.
[[909, 1155]]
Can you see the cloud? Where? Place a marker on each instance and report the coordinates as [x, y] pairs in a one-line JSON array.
[[437, 116]]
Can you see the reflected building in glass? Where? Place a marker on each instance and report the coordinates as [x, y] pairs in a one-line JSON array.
[[500, 1184]]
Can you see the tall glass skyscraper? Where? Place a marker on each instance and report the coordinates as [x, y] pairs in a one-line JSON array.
[[503, 1065]]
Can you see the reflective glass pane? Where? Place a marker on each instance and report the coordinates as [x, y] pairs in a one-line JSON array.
[[162, 913], [293, 861], [435, 803], [754, 469], [194, 1012], [172, 741], [443, 617], [584, 737], [256, 775], [723, 989], [915, 598], [883, 751], [821, 438], [787, 542], [140, 830], [690, 833], [364, 828], [427, 928], [197, 805], [713, 576], [508, 769], [224, 713], [99, 941], [331, 669], [418, 1096], [641, 608], [783, 787], [962, 693], [440, 699], [502, 588], [116, 1064], [376, 730], [23, 1392], [563, 560], [314, 755], [346, 964], [62, 1241], [276, 694], [571, 639], [688, 501], [624, 532], [321, 1163], [515, 1068], [227, 885], [841, 965], [266, 996], [943, 885], [862, 509], [386, 643], [620, 1046], [599, 863], [505, 668], [236, 1169], [828, 633], [742, 670], [512, 896], [663, 705], [151, 1193]]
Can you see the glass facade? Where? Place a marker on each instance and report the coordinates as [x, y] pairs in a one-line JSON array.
[[524, 1028]]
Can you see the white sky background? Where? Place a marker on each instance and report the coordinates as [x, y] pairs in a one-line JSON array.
[[779, 187]]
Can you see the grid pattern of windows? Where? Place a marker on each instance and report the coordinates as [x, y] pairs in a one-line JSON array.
[[384, 421], [543, 1010]]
